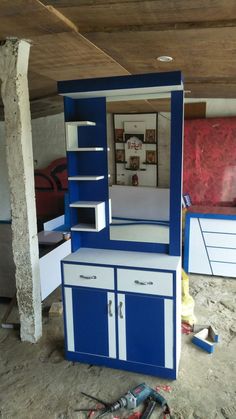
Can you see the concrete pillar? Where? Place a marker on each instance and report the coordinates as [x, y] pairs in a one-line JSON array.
[[14, 57]]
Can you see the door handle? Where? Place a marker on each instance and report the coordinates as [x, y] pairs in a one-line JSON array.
[[88, 277], [120, 310], [109, 308], [143, 283]]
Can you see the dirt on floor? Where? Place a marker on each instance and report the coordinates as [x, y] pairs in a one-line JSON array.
[[37, 382]]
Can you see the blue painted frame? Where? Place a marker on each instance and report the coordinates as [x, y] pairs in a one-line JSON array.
[[136, 81], [176, 154], [94, 109]]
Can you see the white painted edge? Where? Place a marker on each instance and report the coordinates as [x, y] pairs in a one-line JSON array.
[[85, 149], [78, 204], [127, 94], [54, 223], [169, 352], [111, 325], [122, 329], [69, 320], [85, 177], [80, 123], [50, 268]]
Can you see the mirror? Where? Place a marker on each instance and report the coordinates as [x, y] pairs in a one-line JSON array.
[[138, 135]]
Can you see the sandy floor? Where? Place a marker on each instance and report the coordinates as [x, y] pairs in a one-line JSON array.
[[36, 381]]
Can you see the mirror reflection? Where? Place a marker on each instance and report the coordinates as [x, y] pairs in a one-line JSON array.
[[139, 166]]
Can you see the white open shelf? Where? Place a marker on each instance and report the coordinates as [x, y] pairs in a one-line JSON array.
[[91, 215], [81, 123], [84, 204], [85, 177], [72, 134], [83, 227], [85, 149]]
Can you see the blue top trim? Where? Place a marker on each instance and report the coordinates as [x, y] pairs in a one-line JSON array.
[[136, 81], [214, 216]]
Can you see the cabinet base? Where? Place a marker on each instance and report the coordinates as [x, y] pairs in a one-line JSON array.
[[122, 365]]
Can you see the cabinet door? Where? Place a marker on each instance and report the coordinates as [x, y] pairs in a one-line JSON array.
[[145, 329], [93, 322]]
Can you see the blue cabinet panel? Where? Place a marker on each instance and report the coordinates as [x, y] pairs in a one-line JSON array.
[[90, 321], [145, 329]]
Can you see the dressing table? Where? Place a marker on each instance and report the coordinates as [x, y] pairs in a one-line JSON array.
[[122, 297]]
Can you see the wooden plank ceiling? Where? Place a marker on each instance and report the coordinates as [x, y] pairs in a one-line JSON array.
[[87, 38]]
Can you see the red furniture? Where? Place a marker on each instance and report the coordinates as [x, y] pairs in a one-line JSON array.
[[50, 187]]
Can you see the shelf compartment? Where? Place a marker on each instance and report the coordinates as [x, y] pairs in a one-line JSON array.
[[90, 178], [72, 132], [90, 214]]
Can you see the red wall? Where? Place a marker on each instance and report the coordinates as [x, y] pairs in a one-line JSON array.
[[210, 161]]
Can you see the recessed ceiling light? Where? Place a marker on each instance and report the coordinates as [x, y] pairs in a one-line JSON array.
[[165, 58]]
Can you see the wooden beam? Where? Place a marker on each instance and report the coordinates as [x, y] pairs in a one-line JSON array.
[[62, 17], [159, 27]]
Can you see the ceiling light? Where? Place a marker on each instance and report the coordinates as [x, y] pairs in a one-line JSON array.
[[165, 59]]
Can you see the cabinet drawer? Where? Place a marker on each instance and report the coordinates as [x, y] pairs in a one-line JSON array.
[[224, 269], [222, 255], [145, 282], [88, 276], [220, 240], [218, 226]]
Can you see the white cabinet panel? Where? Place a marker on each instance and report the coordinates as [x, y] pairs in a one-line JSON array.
[[89, 276], [145, 282]]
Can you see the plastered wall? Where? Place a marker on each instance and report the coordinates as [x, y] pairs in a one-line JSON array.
[[48, 139]]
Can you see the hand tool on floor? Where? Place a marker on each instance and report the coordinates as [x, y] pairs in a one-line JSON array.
[[152, 403], [132, 399]]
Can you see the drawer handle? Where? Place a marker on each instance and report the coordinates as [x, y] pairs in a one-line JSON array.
[[143, 283], [109, 308], [88, 277], [120, 310]]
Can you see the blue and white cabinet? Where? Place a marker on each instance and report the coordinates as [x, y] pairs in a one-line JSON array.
[[123, 311], [210, 241], [121, 298]]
